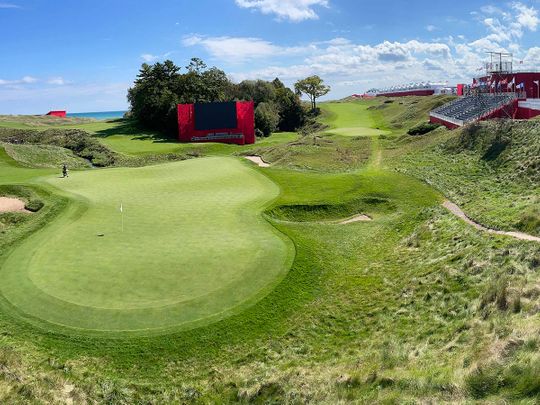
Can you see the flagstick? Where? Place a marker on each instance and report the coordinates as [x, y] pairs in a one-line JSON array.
[[122, 215]]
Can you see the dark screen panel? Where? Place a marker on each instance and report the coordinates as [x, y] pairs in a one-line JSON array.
[[210, 116]]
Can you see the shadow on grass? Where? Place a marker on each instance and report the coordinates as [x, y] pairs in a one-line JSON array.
[[127, 127]]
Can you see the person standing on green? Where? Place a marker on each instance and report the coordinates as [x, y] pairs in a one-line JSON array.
[[65, 170]]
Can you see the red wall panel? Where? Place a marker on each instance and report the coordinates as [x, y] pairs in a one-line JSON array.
[[447, 124], [61, 114], [244, 133]]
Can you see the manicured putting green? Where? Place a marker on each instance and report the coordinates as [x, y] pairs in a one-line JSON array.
[[350, 119], [194, 248]]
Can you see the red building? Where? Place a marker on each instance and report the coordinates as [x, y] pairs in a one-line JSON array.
[[229, 122], [525, 83], [57, 113]]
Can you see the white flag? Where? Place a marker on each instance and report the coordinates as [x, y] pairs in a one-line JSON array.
[[121, 208], [537, 82]]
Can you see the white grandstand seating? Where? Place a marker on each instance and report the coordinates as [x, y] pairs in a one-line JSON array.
[[472, 108]]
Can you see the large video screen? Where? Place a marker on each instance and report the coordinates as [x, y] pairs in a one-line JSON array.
[[210, 116]]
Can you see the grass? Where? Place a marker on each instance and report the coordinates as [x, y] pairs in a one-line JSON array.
[[123, 136], [350, 119], [218, 255], [414, 306], [499, 191], [44, 156]]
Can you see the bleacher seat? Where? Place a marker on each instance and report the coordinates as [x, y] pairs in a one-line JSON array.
[[472, 108]]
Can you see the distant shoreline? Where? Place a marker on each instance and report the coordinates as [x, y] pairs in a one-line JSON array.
[[98, 115]]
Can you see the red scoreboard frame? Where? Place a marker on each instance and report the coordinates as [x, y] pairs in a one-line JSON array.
[[243, 134]]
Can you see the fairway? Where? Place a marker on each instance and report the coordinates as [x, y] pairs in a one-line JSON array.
[[350, 119], [193, 247]]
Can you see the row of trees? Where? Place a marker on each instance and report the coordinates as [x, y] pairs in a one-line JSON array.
[[161, 86]]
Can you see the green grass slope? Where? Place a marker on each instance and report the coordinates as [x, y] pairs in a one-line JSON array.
[[491, 169], [193, 247], [44, 156]]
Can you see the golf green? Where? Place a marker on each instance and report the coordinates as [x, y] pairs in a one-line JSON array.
[[188, 247], [350, 119]]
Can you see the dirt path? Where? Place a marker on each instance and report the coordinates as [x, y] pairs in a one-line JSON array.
[[454, 209], [376, 153], [257, 160], [12, 205]]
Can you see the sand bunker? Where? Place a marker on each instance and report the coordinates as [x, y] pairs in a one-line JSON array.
[[454, 209], [257, 160], [356, 218], [12, 205]]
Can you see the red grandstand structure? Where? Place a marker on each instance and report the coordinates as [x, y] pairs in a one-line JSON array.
[[57, 113], [411, 89], [229, 122], [500, 93]]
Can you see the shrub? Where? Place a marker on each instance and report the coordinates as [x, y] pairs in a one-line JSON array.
[[423, 128], [34, 205], [530, 220], [482, 382], [266, 118]]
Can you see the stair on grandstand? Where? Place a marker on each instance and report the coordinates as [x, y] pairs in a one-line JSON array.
[[472, 108]]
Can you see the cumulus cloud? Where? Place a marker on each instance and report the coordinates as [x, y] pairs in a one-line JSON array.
[[527, 16], [343, 62], [292, 10], [239, 49], [505, 27]]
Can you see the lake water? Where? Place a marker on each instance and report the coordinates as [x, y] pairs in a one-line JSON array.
[[100, 115]]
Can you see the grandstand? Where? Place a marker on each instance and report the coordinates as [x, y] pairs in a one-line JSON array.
[[412, 89], [500, 93], [475, 108]]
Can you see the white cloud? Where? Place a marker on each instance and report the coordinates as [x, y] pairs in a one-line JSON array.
[[9, 5], [147, 57], [527, 17], [58, 81], [431, 28], [239, 49], [23, 80], [293, 10]]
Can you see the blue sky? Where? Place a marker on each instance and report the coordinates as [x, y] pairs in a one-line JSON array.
[[83, 55]]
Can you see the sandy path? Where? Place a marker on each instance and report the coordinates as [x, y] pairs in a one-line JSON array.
[[257, 160], [454, 209], [11, 205], [356, 218]]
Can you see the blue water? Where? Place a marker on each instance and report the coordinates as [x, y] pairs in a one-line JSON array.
[[102, 115]]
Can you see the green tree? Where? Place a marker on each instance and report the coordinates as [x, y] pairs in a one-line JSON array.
[[291, 112], [160, 87], [257, 90], [266, 118], [313, 87], [152, 98]]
